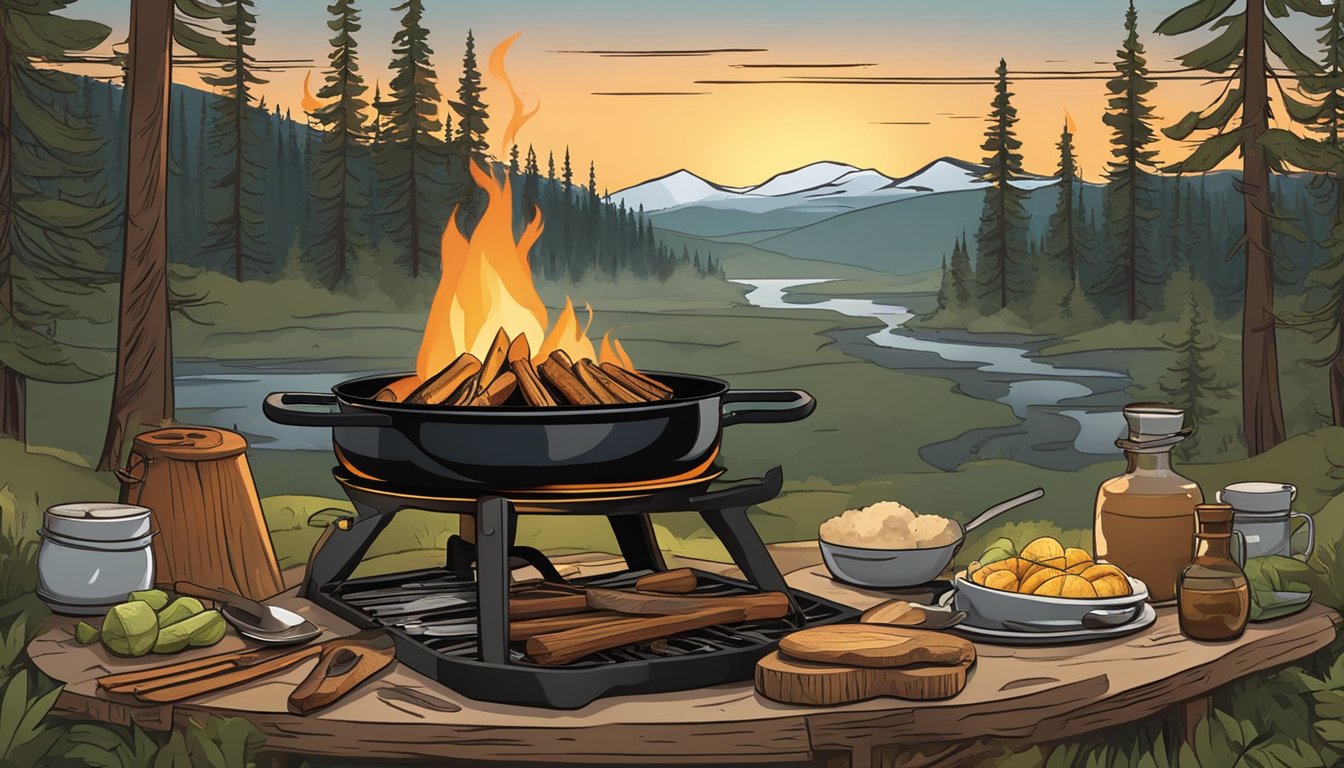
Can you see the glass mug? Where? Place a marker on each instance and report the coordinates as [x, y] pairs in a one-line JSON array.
[[1263, 516]]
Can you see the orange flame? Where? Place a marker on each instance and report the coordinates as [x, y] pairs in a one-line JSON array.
[[497, 69], [486, 280], [309, 104]]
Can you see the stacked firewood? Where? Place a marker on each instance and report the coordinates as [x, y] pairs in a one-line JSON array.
[[507, 376]]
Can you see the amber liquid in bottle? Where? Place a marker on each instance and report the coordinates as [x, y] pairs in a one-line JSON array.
[[1145, 521], [1214, 598]]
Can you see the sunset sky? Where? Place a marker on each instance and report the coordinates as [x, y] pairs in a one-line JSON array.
[[742, 132]]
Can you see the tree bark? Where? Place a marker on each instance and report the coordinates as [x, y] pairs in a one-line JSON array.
[[143, 393], [13, 386], [1262, 406], [1336, 385]]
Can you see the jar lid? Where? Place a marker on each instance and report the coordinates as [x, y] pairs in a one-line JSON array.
[[1257, 496], [1153, 421], [97, 510]]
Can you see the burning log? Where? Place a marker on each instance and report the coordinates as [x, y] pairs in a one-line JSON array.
[[499, 391], [520, 362], [637, 382], [558, 372], [603, 386], [443, 386], [496, 359]]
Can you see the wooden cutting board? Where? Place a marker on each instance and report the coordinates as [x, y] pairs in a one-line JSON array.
[[877, 646], [804, 682]]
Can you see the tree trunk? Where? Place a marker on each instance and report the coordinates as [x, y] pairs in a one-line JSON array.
[[143, 393], [13, 421], [1262, 407], [1336, 384]]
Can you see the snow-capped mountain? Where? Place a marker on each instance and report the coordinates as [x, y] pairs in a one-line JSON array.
[[830, 183]]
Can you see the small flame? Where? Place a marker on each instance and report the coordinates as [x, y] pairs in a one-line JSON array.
[[613, 352], [310, 103]]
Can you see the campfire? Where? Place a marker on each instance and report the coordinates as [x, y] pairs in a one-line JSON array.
[[489, 340]]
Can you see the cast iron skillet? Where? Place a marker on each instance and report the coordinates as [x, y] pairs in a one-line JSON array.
[[516, 447]]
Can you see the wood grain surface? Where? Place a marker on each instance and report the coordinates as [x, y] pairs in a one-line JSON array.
[[877, 646], [791, 681]]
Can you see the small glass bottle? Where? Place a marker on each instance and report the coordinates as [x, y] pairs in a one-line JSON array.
[[1213, 598], [1145, 518]]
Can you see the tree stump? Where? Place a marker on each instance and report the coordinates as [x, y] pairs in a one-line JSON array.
[[197, 483]]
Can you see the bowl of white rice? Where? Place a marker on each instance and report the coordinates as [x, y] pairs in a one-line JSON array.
[[887, 545]]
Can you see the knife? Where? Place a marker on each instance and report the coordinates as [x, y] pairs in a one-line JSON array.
[[342, 666]]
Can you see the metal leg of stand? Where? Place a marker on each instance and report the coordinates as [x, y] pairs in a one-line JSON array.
[[744, 545], [341, 547], [639, 547], [494, 516]]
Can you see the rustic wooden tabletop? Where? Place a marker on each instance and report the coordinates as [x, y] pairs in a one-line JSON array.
[[1015, 696]]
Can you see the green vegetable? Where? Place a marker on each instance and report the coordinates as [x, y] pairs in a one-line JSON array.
[[130, 629], [179, 609], [205, 628], [1280, 586], [85, 633], [1001, 548], [156, 598]]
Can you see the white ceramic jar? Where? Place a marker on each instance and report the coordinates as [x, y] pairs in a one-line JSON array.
[[92, 555]]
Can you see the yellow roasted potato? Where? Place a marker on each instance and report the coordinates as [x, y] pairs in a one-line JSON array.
[[1046, 567], [1043, 549]]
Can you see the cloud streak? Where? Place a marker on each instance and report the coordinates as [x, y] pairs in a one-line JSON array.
[[649, 93], [900, 122], [663, 53], [799, 65]]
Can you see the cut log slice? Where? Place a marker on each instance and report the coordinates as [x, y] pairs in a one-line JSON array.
[[898, 613], [802, 682], [876, 646]]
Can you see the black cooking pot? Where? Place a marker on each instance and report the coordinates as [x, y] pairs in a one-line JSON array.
[[520, 447]]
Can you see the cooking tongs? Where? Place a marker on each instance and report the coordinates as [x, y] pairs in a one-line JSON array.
[[342, 664]]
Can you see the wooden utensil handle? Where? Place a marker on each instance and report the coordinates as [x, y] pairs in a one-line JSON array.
[[678, 581], [342, 667], [233, 658], [192, 688], [221, 596], [571, 645]]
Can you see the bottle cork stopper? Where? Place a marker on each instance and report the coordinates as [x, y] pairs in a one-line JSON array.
[[1152, 421], [1214, 513]]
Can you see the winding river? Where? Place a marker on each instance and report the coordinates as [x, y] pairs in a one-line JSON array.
[[1068, 417]]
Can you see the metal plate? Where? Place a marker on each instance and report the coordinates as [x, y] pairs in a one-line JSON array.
[[1147, 615]]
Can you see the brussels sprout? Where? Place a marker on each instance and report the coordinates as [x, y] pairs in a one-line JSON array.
[[1001, 548], [130, 629], [156, 598], [85, 633], [206, 628], [179, 609]]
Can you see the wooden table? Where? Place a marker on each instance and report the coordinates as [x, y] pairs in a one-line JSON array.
[[1015, 697]]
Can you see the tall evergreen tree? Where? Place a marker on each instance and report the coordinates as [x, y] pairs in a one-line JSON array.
[[963, 275], [1063, 235], [1192, 381], [412, 161], [238, 231], [1130, 274], [567, 174], [338, 194], [550, 167], [1001, 239], [1239, 53], [51, 209], [470, 145]]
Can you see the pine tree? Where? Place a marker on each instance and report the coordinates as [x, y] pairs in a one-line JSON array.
[[567, 175], [1062, 236], [592, 179], [963, 275], [411, 165], [1001, 238], [52, 215], [1239, 53], [513, 160], [470, 145], [338, 190], [550, 167], [238, 231], [1193, 380], [531, 184], [1131, 275]]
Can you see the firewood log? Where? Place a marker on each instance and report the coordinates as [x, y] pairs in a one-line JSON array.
[[603, 386], [500, 390], [495, 360], [561, 378], [520, 362], [467, 392], [442, 386], [635, 381]]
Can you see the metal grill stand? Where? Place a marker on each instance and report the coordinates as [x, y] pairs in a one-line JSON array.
[[724, 509]]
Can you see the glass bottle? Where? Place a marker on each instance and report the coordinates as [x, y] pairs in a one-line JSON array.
[[1145, 518], [1213, 597]]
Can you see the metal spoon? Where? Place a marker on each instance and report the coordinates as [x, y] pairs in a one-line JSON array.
[[1096, 619], [264, 623]]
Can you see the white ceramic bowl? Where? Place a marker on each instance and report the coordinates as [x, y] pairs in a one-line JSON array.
[[990, 608], [887, 568]]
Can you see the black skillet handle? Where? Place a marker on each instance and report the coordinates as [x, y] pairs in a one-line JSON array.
[[799, 406], [277, 408]]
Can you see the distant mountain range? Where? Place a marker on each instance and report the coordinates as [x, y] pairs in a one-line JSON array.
[[827, 183]]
